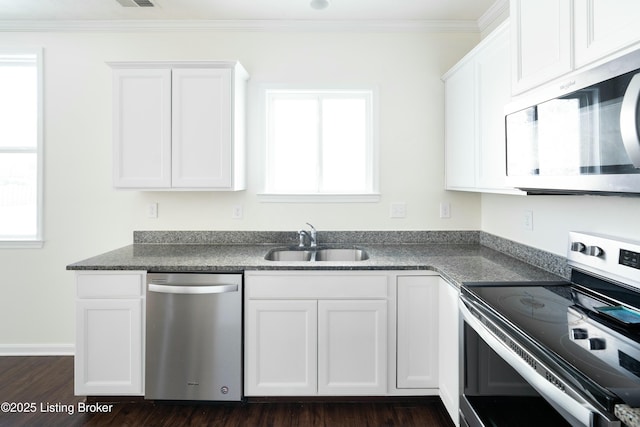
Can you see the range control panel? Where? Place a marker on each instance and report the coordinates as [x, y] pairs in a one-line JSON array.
[[613, 257], [629, 258]]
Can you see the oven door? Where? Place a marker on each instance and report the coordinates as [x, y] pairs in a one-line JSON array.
[[504, 384]]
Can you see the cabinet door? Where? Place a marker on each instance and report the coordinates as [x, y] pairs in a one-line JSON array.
[[460, 128], [493, 73], [417, 364], [603, 26], [541, 34], [109, 356], [142, 128], [202, 135], [352, 347], [281, 348], [449, 349]]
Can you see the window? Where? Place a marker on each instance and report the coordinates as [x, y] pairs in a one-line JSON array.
[[320, 143], [20, 148]]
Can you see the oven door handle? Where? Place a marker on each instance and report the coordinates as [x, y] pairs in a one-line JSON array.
[[579, 411]]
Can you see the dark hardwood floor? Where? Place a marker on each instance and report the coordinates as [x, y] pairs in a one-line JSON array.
[[38, 391]]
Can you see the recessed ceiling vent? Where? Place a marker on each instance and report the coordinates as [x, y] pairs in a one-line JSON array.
[[136, 3]]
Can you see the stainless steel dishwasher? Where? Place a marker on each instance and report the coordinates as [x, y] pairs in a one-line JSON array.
[[194, 337]]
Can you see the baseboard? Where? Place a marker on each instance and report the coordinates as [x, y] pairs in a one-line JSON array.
[[37, 350]]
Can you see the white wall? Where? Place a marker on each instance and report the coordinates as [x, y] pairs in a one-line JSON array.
[[84, 216], [555, 216]]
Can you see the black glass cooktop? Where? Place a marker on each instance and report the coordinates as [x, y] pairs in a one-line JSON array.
[[567, 326]]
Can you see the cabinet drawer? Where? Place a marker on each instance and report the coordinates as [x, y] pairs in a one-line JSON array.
[[110, 285], [314, 285]]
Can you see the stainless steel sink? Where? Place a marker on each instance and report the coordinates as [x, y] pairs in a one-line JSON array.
[[286, 254], [341, 254], [317, 254]]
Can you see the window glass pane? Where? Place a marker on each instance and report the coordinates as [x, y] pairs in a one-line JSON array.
[[319, 142], [18, 195], [18, 105], [294, 145], [344, 145]]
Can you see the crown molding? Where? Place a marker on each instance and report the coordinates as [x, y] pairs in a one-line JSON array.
[[429, 26], [497, 9]]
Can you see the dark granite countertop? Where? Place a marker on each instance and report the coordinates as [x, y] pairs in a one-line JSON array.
[[457, 256], [456, 259]]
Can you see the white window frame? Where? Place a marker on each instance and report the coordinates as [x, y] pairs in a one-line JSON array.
[[372, 166], [37, 240]]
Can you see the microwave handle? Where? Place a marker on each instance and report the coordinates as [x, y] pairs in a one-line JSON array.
[[629, 122]]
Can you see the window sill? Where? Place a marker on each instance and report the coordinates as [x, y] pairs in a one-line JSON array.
[[21, 244], [318, 198]]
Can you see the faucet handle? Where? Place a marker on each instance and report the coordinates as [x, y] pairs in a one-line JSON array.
[[301, 237], [313, 236]]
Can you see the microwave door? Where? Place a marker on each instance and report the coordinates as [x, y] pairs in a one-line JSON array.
[[629, 120]]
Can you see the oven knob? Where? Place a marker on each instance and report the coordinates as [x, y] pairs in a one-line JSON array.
[[579, 334], [595, 251], [597, 344], [578, 247]]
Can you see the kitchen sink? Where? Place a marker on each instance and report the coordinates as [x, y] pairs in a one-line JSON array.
[[289, 255], [341, 254], [316, 254]]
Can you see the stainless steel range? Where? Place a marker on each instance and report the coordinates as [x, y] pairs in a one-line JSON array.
[[555, 353]]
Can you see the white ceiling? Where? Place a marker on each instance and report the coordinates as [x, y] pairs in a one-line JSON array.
[[240, 10]]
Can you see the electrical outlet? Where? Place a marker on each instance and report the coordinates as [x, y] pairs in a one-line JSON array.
[[152, 210], [445, 210], [236, 212], [527, 220], [398, 210]]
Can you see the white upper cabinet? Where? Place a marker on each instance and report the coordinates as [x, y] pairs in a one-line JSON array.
[[476, 92], [551, 38], [142, 128], [540, 41], [493, 73], [460, 127], [603, 27], [179, 125]]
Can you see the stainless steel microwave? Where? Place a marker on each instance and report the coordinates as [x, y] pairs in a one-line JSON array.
[[580, 136]]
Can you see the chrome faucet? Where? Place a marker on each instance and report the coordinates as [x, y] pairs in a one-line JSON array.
[[311, 235]]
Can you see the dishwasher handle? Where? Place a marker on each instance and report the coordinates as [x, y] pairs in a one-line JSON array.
[[190, 290]]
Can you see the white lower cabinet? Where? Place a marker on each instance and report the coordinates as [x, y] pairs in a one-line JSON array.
[[341, 333], [417, 365], [352, 347], [312, 334], [449, 349], [282, 357], [109, 333]]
